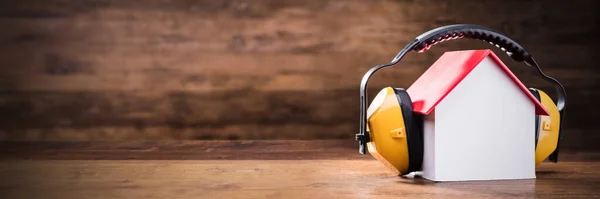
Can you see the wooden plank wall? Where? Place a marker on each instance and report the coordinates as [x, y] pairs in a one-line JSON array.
[[262, 69]]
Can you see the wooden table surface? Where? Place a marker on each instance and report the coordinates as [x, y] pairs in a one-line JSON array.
[[253, 169]]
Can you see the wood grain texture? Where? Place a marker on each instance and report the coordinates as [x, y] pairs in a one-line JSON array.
[[253, 169], [182, 150], [265, 69], [206, 150], [271, 179]]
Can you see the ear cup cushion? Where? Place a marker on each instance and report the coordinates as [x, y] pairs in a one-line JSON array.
[[536, 94], [414, 133]]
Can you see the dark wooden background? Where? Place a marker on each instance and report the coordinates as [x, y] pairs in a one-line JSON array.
[[263, 69]]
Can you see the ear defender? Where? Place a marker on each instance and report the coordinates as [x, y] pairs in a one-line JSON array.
[[395, 138], [393, 134], [546, 127]]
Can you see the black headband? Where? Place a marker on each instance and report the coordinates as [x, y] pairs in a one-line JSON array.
[[424, 41]]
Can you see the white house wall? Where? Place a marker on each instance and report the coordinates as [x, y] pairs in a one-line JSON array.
[[429, 146]]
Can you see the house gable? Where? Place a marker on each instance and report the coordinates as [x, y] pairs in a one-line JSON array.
[[477, 132], [448, 71]]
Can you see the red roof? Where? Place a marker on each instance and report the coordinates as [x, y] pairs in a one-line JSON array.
[[452, 67]]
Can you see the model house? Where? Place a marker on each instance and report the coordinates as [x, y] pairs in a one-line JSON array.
[[479, 119]]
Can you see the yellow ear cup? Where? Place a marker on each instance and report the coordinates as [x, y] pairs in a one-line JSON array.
[[385, 122], [548, 127]]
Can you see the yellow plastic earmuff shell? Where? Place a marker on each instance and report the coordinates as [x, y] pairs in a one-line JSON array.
[[387, 131], [548, 129]]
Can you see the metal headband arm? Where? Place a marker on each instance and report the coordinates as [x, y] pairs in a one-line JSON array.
[[363, 136]]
